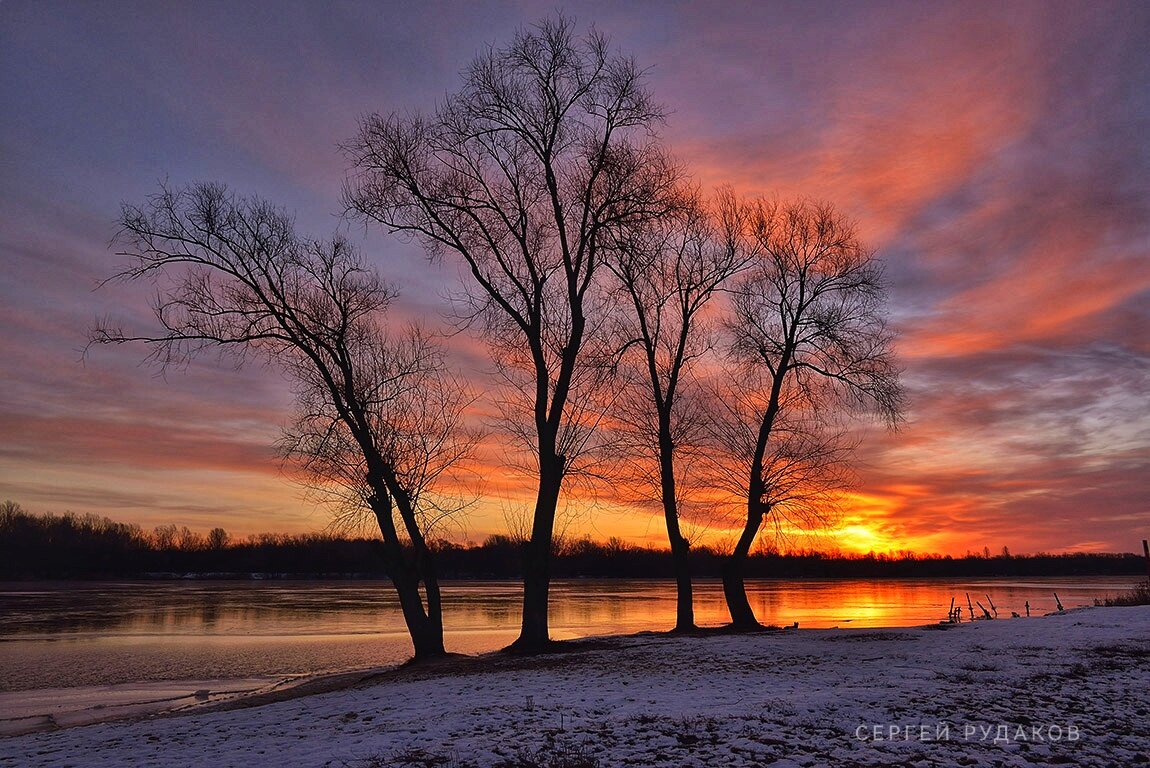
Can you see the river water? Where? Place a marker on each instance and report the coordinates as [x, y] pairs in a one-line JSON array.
[[64, 635]]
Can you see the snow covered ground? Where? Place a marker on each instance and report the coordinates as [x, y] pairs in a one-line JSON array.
[[1069, 689]]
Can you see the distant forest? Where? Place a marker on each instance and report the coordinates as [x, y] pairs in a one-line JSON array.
[[34, 546]]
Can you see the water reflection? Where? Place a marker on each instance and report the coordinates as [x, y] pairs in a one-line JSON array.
[[63, 634]]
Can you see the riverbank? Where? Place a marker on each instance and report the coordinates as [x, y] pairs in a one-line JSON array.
[[1070, 688], [52, 709]]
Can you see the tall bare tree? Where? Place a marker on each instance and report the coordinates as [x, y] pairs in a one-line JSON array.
[[804, 469], [806, 317], [667, 271], [522, 173], [376, 415]]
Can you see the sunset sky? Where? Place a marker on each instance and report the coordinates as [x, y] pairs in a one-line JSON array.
[[996, 155]]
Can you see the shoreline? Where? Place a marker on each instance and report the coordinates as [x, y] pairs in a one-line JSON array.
[[178, 698], [55, 709]]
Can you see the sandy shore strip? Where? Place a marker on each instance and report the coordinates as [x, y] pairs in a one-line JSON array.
[[1069, 689], [50, 709]]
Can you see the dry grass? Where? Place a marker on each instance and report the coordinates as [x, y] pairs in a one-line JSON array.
[[1139, 595]]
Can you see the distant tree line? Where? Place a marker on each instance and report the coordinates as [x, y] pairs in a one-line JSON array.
[[68, 546]]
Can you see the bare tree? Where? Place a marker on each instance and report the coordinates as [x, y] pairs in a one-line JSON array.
[[667, 271], [521, 173], [807, 318], [372, 416], [416, 412], [218, 539], [804, 469], [164, 536]]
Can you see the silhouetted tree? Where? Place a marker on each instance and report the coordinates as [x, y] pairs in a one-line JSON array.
[[218, 539], [190, 541], [10, 513], [806, 319], [164, 536], [522, 173], [803, 470], [241, 280], [417, 415], [667, 270]]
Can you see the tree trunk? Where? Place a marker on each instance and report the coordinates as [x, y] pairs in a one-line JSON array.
[[684, 597], [421, 570], [434, 599], [734, 589], [424, 626], [426, 630], [680, 547], [534, 635], [430, 642]]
